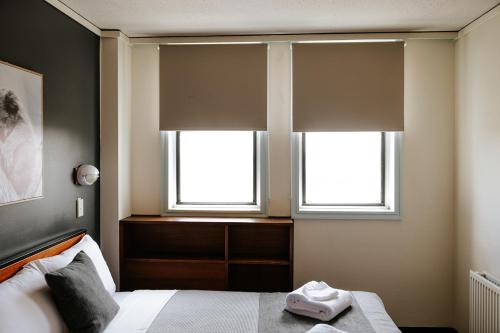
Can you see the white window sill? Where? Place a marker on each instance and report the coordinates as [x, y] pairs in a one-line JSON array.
[[252, 210], [346, 213]]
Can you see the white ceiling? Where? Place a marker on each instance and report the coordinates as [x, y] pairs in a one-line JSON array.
[[225, 17]]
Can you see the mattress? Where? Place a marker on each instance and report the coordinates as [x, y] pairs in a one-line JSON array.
[[139, 312]]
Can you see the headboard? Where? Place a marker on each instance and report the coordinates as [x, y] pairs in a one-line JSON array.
[[12, 265]]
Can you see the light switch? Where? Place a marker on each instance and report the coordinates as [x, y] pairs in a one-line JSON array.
[[79, 207]]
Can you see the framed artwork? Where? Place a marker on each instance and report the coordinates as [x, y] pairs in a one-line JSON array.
[[21, 134]]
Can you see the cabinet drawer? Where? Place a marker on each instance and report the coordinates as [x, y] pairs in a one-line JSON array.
[[172, 274]]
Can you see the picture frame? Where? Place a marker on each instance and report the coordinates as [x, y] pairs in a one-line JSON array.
[[21, 134]]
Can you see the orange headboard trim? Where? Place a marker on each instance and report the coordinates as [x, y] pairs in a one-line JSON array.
[[12, 268]]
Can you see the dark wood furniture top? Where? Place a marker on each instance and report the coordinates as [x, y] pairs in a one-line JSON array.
[[217, 253], [216, 220], [52, 248]]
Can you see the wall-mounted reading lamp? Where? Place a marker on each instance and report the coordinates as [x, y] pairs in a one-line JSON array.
[[85, 174]]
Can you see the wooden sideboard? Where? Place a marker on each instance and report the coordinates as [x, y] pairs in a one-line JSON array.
[[239, 254]]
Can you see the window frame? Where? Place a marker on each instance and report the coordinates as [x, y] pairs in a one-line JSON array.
[[390, 203], [170, 203]]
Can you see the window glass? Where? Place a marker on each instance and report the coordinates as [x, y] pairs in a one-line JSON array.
[[343, 168], [216, 167]]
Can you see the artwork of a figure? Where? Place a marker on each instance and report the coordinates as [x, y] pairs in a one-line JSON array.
[[20, 134]]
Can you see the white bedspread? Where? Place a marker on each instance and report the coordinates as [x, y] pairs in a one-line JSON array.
[[374, 310]]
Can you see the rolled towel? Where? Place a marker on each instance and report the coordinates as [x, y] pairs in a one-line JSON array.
[[319, 291], [298, 303], [324, 328]]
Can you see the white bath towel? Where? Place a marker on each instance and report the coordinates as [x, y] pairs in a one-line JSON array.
[[297, 302], [324, 328], [319, 291]]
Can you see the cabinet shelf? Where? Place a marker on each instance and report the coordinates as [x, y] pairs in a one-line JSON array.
[[174, 256], [247, 254], [278, 262], [176, 260]]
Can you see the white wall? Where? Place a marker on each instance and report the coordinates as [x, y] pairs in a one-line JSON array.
[[409, 263], [478, 155], [115, 145], [279, 126], [124, 126], [146, 163]]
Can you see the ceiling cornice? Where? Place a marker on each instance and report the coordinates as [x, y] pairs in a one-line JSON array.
[[480, 20], [292, 38]]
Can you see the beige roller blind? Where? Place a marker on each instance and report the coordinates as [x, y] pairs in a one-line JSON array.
[[348, 86], [213, 87]]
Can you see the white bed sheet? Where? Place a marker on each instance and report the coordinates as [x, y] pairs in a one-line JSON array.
[[139, 308], [119, 297]]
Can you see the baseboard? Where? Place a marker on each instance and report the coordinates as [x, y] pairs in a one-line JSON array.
[[428, 329]]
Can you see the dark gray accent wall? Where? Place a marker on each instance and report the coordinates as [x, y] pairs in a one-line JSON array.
[[36, 36]]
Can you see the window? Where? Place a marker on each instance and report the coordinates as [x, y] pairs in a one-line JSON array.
[[213, 171], [346, 174]]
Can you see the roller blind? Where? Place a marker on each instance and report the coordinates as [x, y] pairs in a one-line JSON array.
[[348, 87], [213, 87]]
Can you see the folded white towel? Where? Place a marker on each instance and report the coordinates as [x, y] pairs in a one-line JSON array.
[[297, 302], [319, 291], [324, 328]]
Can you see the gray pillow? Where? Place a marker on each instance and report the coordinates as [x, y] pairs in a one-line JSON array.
[[80, 296]]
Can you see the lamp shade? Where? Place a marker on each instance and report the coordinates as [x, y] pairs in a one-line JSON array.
[[86, 174]]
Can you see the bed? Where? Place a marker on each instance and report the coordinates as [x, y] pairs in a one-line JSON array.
[[183, 311]]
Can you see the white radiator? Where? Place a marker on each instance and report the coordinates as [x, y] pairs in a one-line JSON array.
[[484, 303]]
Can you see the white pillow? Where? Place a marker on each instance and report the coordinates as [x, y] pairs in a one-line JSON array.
[[90, 247], [26, 305]]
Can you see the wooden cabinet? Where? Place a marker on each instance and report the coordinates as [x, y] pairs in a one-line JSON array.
[[244, 254]]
